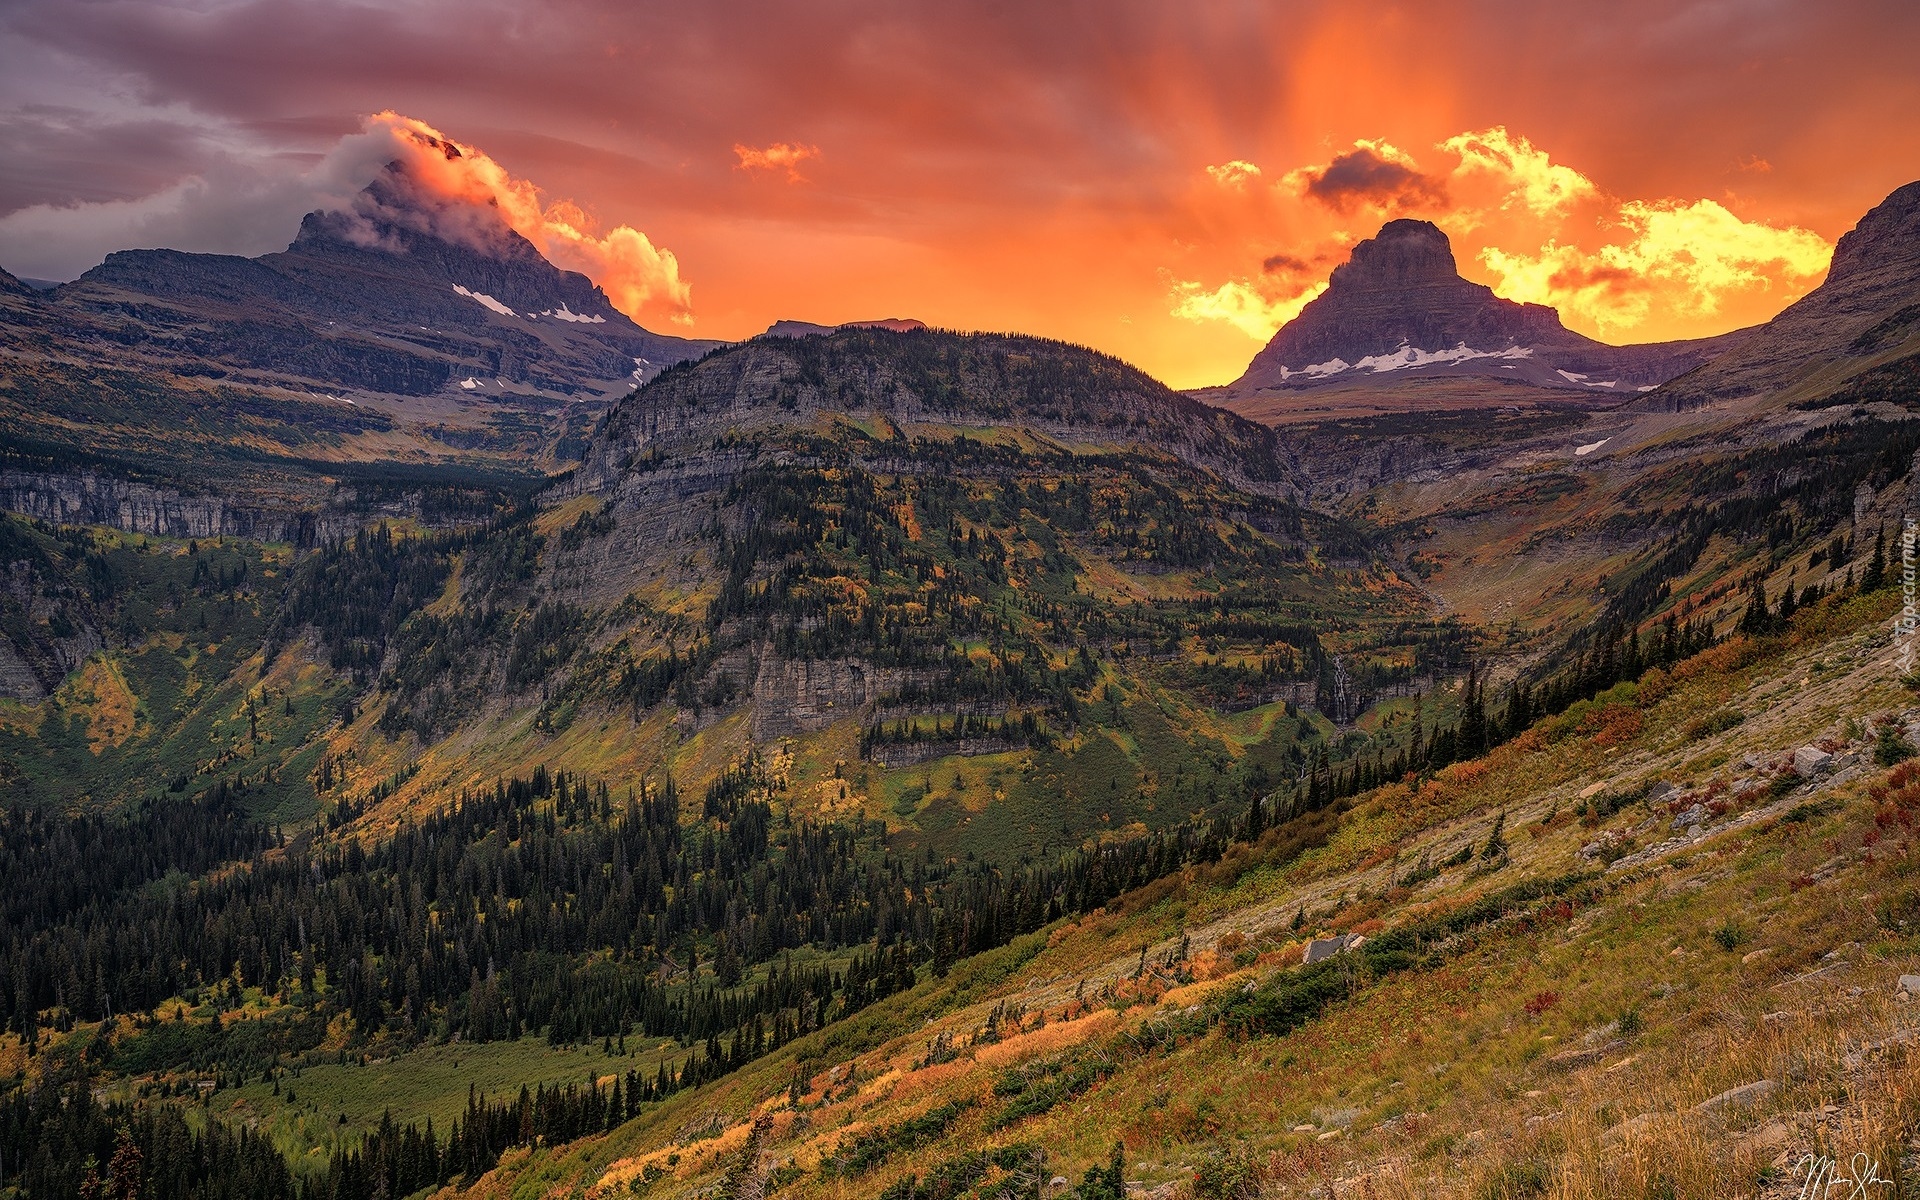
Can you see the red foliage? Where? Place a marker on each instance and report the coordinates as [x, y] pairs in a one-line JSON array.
[[1541, 1002]]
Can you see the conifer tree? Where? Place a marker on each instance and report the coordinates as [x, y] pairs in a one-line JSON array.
[[1876, 573], [1496, 847]]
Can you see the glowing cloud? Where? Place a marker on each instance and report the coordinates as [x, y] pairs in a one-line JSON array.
[[1532, 177], [781, 156], [1234, 173], [1253, 310], [1687, 258], [633, 272], [1544, 233]]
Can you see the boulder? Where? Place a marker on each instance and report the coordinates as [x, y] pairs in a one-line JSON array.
[[1744, 1096], [1910, 984], [1695, 814], [1809, 761], [1324, 948]]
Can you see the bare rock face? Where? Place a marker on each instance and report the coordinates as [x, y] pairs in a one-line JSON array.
[[1402, 287], [86, 499], [1399, 307], [796, 696], [17, 680]]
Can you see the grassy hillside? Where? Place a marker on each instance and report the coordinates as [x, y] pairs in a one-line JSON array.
[[1615, 993], [1633, 951]]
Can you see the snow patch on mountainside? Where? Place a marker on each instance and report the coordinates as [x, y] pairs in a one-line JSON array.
[[1580, 377], [1403, 358], [487, 300]]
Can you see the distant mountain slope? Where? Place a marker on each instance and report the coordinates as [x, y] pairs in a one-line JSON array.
[[923, 377], [392, 296], [1865, 314], [810, 329], [1398, 309]]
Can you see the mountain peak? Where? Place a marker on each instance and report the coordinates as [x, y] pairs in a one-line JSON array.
[[1398, 308], [1396, 302], [406, 290], [1889, 232], [399, 225], [397, 211], [1405, 253], [1868, 304]]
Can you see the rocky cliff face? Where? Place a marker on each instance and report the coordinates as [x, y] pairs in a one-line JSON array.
[[1868, 306], [48, 631], [159, 511], [1398, 308], [793, 696], [17, 680]]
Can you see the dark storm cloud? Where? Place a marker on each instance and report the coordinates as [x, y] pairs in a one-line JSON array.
[[1362, 177]]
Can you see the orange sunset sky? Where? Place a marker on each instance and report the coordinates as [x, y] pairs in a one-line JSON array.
[[1167, 182]]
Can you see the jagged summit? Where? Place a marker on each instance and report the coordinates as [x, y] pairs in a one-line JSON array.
[[1399, 307], [397, 225]]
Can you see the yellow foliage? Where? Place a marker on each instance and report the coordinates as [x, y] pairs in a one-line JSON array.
[[1048, 1039]]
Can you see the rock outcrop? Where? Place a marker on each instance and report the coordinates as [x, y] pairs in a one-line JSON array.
[[130, 507], [17, 679], [793, 696]]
